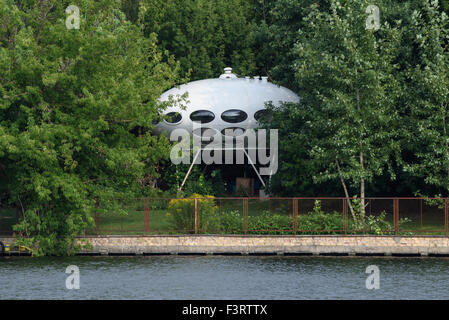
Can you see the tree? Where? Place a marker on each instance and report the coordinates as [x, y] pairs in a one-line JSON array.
[[429, 96], [131, 9], [203, 35], [445, 5], [348, 83], [276, 23], [296, 166], [70, 101]]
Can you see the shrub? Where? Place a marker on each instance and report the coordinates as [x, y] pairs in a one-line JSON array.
[[267, 221], [231, 222], [317, 221], [371, 224], [182, 213]]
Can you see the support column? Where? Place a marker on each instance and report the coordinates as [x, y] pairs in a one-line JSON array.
[[295, 215]]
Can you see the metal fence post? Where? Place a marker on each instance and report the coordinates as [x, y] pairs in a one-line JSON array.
[[345, 216], [445, 217], [195, 216], [295, 215], [245, 215], [396, 215]]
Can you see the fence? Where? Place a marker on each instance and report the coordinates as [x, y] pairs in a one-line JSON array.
[[290, 216]]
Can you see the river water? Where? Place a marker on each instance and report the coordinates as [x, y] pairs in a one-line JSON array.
[[223, 277]]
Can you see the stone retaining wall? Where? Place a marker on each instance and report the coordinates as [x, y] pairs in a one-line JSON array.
[[271, 244], [233, 244]]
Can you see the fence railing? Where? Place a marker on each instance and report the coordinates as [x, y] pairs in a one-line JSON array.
[[289, 216]]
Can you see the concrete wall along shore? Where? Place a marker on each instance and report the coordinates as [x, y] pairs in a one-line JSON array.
[[262, 245]]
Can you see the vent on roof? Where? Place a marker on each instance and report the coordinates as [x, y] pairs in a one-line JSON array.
[[228, 74]]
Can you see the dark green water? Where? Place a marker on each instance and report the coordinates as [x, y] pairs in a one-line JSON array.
[[221, 277]]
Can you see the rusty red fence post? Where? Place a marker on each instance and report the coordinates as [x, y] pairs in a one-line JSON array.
[[245, 215], [146, 215], [295, 215], [445, 217], [195, 216], [396, 215], [345, 216]]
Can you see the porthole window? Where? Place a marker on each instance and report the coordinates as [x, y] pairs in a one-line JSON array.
[[234, 116], [233, 132], [203, 116], [173, 117], [263, 114]]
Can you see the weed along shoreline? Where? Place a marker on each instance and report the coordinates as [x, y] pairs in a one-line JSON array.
[[325, 245]]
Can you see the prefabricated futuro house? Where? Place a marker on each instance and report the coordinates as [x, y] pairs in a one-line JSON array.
[[225, 103]]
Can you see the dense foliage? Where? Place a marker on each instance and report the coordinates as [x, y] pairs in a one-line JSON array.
[[372, 117], [204, 36], [316, 221], [77, 106], [182, 217], [70, 100]]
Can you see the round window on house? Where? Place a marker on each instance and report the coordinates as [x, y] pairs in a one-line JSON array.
[[234, 116], [173, 117], [203, 116], [262, 115]]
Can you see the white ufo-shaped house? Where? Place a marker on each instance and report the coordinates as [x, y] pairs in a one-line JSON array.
[[227, 102]]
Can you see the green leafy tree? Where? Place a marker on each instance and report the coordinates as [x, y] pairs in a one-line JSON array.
[[429, 96], [131, 10], [445, 5], [280, 21], [296, 166], [203, 35], [276, 23], [69, 102], [348, 83]]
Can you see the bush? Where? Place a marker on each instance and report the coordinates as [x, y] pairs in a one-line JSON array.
[[267, 221], [182, 213], [231, 222], [270, 223], [371, 224], [317, 221]]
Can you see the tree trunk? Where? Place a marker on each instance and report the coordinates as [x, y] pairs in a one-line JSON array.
[[346, 192], [362, 190], [362, 180]]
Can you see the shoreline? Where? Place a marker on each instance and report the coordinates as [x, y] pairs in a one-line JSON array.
[[265, 245]]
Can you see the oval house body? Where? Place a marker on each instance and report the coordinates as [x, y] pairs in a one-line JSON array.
[[227, 105]]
